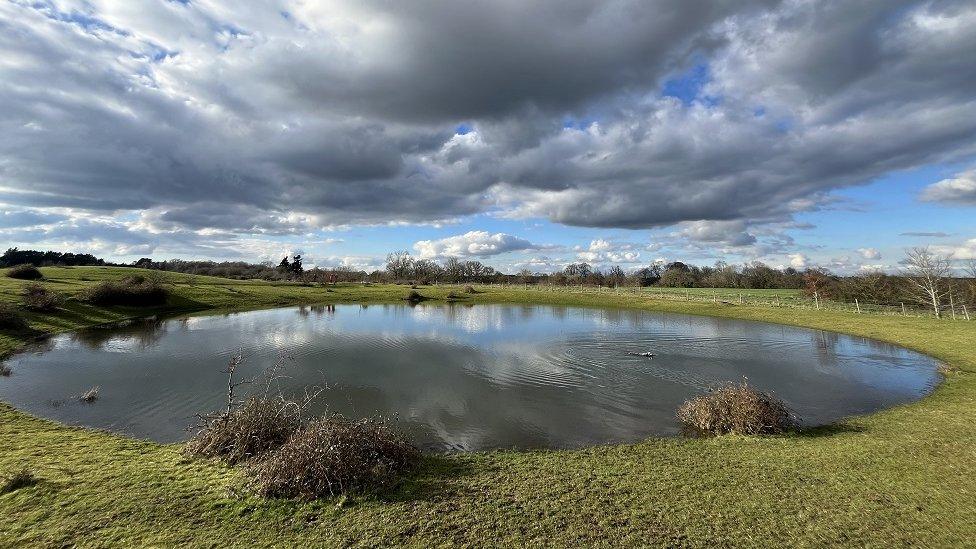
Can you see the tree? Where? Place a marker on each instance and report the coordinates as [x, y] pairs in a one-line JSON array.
[[453, 270], [616, 276], [284, 266], [399, 265], [925, 273], [427, 271], [296, 265]]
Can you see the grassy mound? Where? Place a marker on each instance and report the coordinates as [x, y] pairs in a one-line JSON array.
[[24, 272], [736, 409], [332, 456]]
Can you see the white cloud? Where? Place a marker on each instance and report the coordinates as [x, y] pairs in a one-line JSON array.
[[472, 244], [798, 261], [959, 190], [869, 253]]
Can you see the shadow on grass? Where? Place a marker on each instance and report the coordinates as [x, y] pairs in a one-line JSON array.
[[830, 430], [433, 479]]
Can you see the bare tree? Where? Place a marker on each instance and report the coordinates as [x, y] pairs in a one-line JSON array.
[[399, 265], [926, 273]]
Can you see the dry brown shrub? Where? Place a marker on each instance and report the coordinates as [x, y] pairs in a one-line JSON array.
[[736, 409], [38, 298], [332, 456], [256, 427]]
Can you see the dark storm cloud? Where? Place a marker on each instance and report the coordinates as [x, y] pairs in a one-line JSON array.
[[238, 119]]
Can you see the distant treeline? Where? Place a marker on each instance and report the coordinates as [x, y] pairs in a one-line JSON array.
[[926, 279], [14, 256]]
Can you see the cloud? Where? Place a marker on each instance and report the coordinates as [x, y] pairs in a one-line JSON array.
[[285, 117], [934, 234], [959, 190], [798, 261], [601, 251], [963, 251], [730, 233], [869, 253], [472, 244]]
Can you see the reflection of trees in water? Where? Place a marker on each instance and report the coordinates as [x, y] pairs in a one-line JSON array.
[[145, 332], [319, 310]]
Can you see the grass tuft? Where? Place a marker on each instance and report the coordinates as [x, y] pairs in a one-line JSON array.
[[20, 479], [25, 272], [736, 409], [91, 395], [333, 456], [11, 319]]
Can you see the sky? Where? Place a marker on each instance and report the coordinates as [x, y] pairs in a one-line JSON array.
[[526, 135]]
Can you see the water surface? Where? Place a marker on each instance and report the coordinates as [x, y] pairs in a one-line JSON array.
[[463, 377]]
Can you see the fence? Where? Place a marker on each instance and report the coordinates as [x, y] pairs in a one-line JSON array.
[[772, 298]]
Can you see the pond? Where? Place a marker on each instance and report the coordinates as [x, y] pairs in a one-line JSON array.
[[462, 377]]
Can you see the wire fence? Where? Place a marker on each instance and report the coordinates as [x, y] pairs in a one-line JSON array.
[[771, 298]]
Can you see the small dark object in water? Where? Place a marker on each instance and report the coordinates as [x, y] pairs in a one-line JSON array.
[[647, 354]]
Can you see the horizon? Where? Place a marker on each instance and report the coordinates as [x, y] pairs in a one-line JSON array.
[[524, 137]]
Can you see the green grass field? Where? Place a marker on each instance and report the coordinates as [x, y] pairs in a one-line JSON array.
[[906, 476]]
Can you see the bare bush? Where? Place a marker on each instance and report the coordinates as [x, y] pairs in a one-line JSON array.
[[469, 289], [11, 319], [25, 271], [736, 409], [91, 395], [415, 297], [36, 297], [246, 432], [5, 370], [249, 428], [332, 456], [131, 291]]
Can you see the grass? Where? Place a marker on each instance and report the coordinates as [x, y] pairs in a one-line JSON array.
[[905, 476]]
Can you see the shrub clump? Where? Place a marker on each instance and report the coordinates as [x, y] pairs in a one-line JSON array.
[[11, 319], [20, 479], [415, 297], [469, 289], [132, 291], [38, 298], [25, 271], [736, 409], [333, 456], [256, 427]]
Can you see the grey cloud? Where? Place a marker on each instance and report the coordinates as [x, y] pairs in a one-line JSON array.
[[936, 234], [244, 121]]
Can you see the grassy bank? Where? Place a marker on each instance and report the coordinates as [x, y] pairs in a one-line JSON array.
[[906, 476]]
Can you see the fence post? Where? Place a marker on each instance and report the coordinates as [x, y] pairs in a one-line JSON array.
[[858, 305], [965, 312], [740, 299], [952, 305], [903, 309], [816, 298]]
